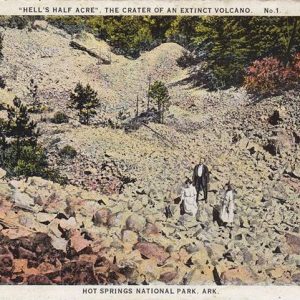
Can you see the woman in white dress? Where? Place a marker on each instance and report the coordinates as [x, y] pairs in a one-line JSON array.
[[188, 198], [228, 206]]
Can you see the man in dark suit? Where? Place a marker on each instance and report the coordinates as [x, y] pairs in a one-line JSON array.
[[201, 179]]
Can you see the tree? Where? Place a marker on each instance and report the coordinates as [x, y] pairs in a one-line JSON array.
[[85, 99], [19, 126], [160, 94]]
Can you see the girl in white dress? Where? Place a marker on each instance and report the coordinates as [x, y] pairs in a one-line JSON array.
[[188, 198], [228, 206]]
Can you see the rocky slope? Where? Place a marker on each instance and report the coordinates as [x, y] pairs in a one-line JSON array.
[[110, 222]]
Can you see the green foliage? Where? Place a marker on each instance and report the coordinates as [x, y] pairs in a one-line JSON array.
[[68, 152], [128, 35], [160, 94], [19, 126], [84, 99], [19, 154], [60, 118], [19, 22], [28, 160], [229, 44]]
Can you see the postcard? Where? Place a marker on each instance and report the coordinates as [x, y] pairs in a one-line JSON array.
[[149, 149]]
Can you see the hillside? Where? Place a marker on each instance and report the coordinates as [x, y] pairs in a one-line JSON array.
[[110, 219]]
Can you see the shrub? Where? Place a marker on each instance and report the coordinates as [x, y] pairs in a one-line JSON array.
[[32, 162], [68, 152], [160, 94], [19, 22], [269, 77], [85, 100], [60, 118]]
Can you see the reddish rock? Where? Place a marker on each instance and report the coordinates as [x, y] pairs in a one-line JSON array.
[[78, 242], [294, 243], [152, 250]]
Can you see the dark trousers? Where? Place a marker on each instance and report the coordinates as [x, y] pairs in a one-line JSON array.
[[200, 186]]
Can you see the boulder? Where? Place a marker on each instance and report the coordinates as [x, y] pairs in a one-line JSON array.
[[102, 216], [293, 242], [135, 223], [22, 199], [152, 250], [129, 236], [239, 275], [2, 173], [40, 24]]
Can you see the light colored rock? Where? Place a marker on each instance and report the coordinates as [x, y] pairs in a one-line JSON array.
[[45, 217], [135, 223], [239, 275], [5, 190], [40, 24], [22, 199], [2, 173], [129, 236]]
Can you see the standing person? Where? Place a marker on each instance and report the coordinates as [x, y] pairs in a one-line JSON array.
[[228, 206], [201, 179], [188, 198]]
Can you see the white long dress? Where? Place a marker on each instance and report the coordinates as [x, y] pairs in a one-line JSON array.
[[227, 210], [188, 197]]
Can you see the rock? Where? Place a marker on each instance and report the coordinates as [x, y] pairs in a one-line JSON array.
[[102, 216], [294, 243], [167, 277], [78, 272], [151, 229], [22, 200], [203, 275], [275, 273], [135, 223], [5, 191], [58, 243], [239, 275], [39, 182], [149, 269], [296, 170], [2, 173], [152, 250], [78, 242], [296, 278], [40, 24], [117, 219], [129, 236], [45, 217], [68, 224]]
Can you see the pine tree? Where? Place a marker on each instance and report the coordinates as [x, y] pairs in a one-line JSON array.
[[85, 99], [19, 126], [160, 94]]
